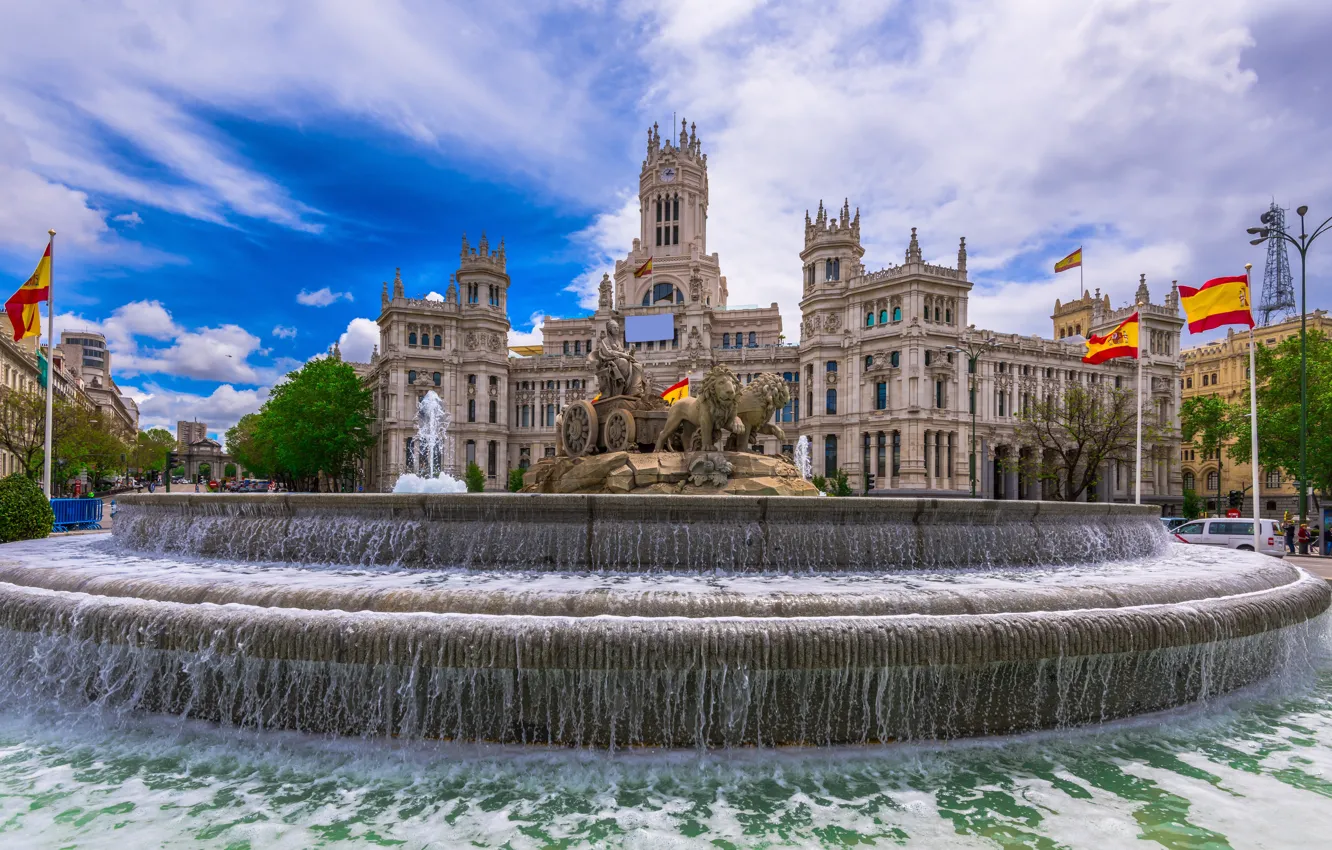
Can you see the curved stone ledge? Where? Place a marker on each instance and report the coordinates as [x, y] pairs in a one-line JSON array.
[[663, 681], [733, 534], [257, 590]]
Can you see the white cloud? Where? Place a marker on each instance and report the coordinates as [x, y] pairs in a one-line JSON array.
[[284, 332], [130, 219], [433, 296], [321, 297], [608, 238], [208, 353], [359, 340], [220, 409], [532, 336], [1144, 125]]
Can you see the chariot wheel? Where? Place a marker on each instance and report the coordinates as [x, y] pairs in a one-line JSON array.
[[621, 431], [579, 429]]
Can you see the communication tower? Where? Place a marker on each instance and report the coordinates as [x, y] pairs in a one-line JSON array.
[[1278, 301]]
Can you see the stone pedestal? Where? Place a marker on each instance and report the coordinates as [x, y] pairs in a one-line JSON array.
[[668, 473]]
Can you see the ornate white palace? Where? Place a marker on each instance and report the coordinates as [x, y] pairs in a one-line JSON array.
[[875, 382]]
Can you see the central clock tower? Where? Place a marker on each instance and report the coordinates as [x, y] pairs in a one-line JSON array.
[[673, 195]]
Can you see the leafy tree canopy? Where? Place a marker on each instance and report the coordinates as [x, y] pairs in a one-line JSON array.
[[1279, 411]]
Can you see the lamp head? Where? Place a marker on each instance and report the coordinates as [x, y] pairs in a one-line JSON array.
[[1301, 210], [1253, 230], [1257, 241], [1265, 218]]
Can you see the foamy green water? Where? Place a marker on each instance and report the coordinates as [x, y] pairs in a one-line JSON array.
[[1255, 771]]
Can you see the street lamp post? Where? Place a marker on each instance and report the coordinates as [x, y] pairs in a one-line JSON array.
[[1302, 245], [973, 351]]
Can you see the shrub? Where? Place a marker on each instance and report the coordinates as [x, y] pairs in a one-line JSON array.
[[819, 482], [475, 478], [25, 513], [515, 480], [838, 485], [1193, 505]]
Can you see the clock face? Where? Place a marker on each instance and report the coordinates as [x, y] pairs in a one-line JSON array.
[[667, 175]]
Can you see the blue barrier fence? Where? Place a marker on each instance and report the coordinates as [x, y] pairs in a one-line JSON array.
[[77, 514]]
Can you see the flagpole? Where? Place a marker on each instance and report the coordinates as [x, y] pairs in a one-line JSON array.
[[1137, 466], [50, 361], [1253, 419]]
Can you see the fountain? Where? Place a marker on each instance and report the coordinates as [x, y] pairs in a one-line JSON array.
[[608, 620], [802, 461], [431, 451]]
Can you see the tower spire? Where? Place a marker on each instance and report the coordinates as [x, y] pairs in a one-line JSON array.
[[962, 255], [913, 249]]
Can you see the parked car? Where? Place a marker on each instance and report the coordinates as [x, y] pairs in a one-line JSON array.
[[1173, 522], [1233, 534]]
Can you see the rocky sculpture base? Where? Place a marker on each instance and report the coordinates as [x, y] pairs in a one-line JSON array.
[[688, 473]]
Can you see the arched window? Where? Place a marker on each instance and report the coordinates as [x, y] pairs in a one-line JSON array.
[[753, 339], [437, 378], [869, 361], [929, 357], [1273, 479], [830, 366], [869, 319], [411, 338], [726, 340], [411, 376], [897, 314], [471, 410], [936, 314], [831, 401], [827, 270], [895, 359], [1213, 480], [494, 412], [948, 316], [1189, 481], [439, 341], [881, 395], [883, 317], [663, 293], [830, 455], [837, 269]]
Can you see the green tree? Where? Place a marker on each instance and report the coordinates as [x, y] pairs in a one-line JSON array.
[[150, 449], [23, 426], [229, 471], [1193, 504], [90, 445], [1209, 423], [475, 478], [206, 472], [1279, 411], [515, 480], [838, 484], [248, 442], [1072, 434], [318, 422]]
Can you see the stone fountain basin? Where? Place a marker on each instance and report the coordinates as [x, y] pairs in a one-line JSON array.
[[787, 650], [688, 534]]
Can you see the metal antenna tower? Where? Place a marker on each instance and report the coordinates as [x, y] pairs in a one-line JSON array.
[[1278, 302]]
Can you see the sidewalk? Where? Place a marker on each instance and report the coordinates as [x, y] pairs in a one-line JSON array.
[[1319, 566]]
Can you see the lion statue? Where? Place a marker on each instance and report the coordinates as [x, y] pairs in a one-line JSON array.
[[712, 410], [758, 401]]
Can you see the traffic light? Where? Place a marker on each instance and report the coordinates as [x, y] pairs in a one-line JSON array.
[[171, 461], [1236, 498]]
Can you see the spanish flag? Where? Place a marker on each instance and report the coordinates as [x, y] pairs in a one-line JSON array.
[[646, 268], [1218, 302], [24, 314], [1120, 342], [1072, 261], [677, 391]]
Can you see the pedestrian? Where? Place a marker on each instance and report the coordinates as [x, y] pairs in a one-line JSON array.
[[1327, 540], [1289, 531], [1302, 537]]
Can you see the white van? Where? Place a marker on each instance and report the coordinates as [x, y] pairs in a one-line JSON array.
[[1234, 534]]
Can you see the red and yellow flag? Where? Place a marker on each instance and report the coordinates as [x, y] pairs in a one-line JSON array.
[[646, 268], [1120, 342], [1218, 302], [24, 314], [1072, 261], [677, 391]]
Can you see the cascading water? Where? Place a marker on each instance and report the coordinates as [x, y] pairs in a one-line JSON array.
[[431, 452], [802, 461], [622, 620]]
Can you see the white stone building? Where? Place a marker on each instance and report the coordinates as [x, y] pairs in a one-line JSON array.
[[874, 382]]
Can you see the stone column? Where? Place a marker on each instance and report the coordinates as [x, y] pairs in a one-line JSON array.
[[929, 458]]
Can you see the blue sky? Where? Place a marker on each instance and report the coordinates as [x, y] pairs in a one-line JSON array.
[[231, 183]]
